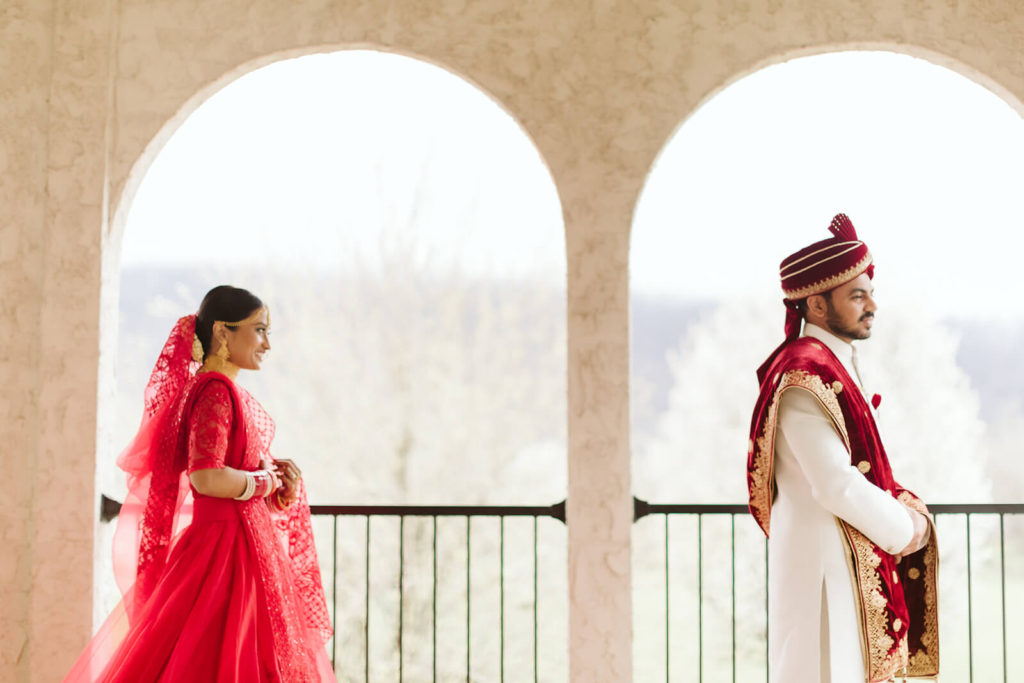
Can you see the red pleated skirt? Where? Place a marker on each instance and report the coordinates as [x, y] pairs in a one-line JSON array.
[[207, 618]]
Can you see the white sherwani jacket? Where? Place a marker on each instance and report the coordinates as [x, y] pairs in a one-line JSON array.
[[810, 589]]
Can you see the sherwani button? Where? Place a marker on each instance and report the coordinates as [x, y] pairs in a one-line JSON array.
[[913, 573], [864, 466]]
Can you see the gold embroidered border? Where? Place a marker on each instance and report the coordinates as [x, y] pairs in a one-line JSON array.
[[925, 662], [831, 282], [851, 565], [762, 472], [823, 392], [882, 661]]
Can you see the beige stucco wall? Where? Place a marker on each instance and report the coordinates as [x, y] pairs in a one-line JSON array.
[[89, 89], [24, 73]]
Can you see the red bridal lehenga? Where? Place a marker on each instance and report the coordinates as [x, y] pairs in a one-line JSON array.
[[214, 589]]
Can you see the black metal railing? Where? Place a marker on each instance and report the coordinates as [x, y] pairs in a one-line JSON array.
[[956, 547], [968, 534], [374, 555], [468, 513]]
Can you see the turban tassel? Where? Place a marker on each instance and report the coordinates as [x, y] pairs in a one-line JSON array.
[[793, 319]]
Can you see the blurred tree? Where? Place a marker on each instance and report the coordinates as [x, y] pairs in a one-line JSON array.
[[929, 416]]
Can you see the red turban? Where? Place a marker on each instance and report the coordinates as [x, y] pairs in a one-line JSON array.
[[826, 264], [820, 268]]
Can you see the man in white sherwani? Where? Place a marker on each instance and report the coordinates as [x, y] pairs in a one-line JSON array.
[[852, 558]]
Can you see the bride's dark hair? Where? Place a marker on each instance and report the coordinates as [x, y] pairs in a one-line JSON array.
[[225, 303]]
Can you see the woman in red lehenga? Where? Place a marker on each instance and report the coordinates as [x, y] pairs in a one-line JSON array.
[[214, 537]]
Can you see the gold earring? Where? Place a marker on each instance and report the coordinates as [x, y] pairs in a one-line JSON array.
[[197, 349], [223, 352]]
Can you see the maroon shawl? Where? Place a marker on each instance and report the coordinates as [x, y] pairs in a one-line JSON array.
[[897, 601]]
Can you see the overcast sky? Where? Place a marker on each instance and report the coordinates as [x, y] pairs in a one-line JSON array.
[[305, 160]]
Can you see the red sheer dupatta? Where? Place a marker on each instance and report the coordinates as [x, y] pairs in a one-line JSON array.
[[292, 528], [158, 503], [134, 537], [288, 560]]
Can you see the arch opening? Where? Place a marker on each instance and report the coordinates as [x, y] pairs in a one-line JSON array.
[[923, 161], [407, 236]]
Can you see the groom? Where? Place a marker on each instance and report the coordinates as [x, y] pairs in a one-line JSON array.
[[852, 554]]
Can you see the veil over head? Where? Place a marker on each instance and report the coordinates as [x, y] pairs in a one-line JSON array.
[[156, 497]]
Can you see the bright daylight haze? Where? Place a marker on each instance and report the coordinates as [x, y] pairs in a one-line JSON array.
[[918, 155], [297, 158]]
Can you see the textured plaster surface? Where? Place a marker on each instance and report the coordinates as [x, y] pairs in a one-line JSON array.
[[68, 336], [24, 82], [599, 86]]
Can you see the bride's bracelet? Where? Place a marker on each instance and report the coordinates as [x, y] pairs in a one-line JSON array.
[[250, 487], [264, 483], [259, 484]]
